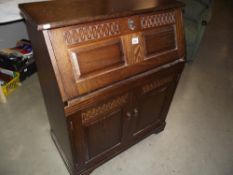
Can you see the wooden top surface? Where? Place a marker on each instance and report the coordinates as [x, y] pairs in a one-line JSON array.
[[60, 13]]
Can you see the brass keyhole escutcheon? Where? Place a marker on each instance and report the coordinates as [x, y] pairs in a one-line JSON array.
[[128, 114], [135, 112], [131, 24]]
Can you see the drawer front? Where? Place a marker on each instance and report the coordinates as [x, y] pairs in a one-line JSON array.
[[144, 82], [82, 34], [88, 33], [95, 55]]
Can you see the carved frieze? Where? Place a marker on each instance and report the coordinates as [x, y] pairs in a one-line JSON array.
[[91, 32], [99, 113], [157, 83], [156, 20]]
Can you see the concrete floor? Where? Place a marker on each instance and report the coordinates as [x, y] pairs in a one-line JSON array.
[[198, 138]]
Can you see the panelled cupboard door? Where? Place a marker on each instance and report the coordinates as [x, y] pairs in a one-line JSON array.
[[100, 128], [151, 103]]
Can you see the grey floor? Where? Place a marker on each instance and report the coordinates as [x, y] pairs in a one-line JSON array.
[[198, 138]]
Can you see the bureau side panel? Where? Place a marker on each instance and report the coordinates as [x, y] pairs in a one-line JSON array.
[[180, 33], [52, 95]]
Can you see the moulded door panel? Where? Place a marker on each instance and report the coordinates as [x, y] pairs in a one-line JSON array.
[[151, 103], [100, 128]]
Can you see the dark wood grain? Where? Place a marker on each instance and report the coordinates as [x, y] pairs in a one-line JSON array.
[[108, 71], [161, 46], [64, 13], [180, 34], [136, 81], [97, 57], [134, 52], [159, 40]]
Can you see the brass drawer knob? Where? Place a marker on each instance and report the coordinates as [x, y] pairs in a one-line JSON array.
[[128, 114], [131, 24], [135, 112]]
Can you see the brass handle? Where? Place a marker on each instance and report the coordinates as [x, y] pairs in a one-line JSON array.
[[135, 112], [131, 24], [128, 114]]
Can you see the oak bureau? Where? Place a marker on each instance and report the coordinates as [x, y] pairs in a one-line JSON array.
[[108, 70]]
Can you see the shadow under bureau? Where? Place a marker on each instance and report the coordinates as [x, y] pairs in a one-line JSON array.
[[108, 71]]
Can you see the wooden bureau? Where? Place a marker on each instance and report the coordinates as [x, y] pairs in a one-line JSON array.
[[108, 71]]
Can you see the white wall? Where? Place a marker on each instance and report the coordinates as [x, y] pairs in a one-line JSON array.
[[11, 33]]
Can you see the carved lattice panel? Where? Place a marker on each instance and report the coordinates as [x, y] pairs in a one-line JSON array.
[[92, 32], [97, 113], [157, 20]]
